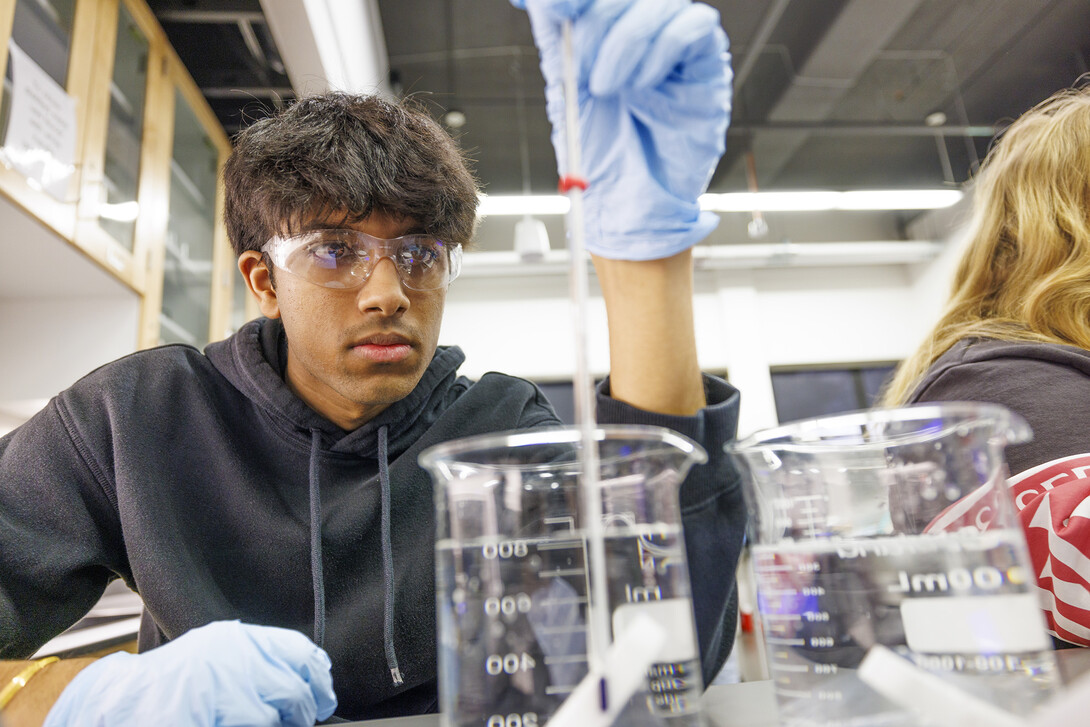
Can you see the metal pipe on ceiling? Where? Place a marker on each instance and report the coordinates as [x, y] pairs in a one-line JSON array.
[[760, 40], [224, 17]]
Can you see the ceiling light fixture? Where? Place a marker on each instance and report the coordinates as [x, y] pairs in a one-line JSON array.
[[454, 119], [936, 119], [817, 200], [531, 239], [330, 45], [523, 204], [800, 201]]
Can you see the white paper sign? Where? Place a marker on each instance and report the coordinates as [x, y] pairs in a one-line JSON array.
[[41, 137]]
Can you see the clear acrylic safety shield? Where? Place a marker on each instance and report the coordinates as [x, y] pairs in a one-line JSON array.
[[513, 578], [893, 528]]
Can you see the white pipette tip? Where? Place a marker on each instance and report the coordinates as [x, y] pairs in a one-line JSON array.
[[600, 697], [920, 691]]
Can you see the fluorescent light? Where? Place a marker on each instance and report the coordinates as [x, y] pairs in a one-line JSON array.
[[330, 44], [525, 204], [799, 201], [769, 201], [818, 200], [899, 199]]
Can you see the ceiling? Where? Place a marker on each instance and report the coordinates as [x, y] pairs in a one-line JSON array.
[[829, 94]]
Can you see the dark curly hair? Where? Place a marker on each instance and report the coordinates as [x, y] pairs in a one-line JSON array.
[[351, 154]]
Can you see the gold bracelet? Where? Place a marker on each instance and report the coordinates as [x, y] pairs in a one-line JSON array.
[[19, 680]]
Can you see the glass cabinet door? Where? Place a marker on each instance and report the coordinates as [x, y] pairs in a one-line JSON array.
[[41, 35], [187, 267], [117, 211], [43, 30]]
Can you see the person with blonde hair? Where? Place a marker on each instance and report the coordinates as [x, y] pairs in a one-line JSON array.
[[1016, 332]]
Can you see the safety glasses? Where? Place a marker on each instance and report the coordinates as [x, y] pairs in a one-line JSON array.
[[340, 258]]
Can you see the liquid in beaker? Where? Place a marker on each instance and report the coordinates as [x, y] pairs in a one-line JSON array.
[[893, 528], [513, 584]]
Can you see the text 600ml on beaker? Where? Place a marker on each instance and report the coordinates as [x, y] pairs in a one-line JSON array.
[[893, 528], [513, 581]]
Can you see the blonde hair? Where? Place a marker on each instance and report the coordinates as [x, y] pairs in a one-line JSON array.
[[1025, 275]]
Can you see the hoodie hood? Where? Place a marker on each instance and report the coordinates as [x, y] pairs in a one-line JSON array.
[[254, 361]]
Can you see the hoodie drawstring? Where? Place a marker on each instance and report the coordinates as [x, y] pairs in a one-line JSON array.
[[387, 560], [387, 550], [316, 539]]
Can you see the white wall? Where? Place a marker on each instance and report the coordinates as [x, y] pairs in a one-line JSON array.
[[60, 316], [932, 282], [53, 342], [49, 343], [747, 321], [521, 325]]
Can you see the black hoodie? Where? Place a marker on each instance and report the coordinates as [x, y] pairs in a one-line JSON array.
[[216, 493]]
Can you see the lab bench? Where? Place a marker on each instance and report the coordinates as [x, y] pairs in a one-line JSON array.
[[746, 704]]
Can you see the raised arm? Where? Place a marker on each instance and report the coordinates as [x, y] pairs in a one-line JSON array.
[[652, 344], [654, 103], [654, 85]]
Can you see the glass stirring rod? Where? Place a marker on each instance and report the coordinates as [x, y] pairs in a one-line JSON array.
[[573, 184]]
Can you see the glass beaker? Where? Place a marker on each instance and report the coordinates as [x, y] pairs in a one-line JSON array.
[[512, 577], [893, 527]]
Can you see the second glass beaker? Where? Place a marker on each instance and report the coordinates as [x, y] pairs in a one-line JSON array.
[[513, 578], [893, 528]]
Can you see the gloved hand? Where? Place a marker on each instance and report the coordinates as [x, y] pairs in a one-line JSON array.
[[226, 674], [654, 83]]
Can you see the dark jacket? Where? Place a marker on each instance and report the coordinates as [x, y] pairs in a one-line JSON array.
[[216, 493], [1047, 384]]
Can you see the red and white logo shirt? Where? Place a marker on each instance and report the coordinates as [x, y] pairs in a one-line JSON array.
[[1053, 501]]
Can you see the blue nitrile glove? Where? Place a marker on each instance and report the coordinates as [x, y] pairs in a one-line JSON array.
[[654, 84], [225, 674]]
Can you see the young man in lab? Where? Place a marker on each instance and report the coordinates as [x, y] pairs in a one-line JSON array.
[[264, 497]]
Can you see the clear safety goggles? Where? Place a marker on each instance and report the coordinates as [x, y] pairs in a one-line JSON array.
[[340, 258]]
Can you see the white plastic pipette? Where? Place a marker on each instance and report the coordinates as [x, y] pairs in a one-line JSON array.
[[598, 615], [626, 661]]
